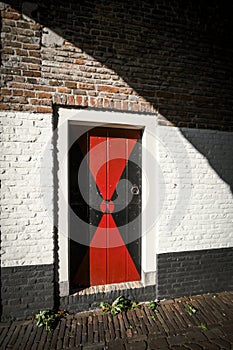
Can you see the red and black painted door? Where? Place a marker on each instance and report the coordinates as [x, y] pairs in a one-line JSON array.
[[105, 194]]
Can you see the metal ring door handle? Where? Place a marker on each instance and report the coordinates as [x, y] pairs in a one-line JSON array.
[[135, 190]]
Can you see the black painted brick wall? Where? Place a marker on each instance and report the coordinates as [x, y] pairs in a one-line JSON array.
[[26, 289], [76, 303], [194, 272]]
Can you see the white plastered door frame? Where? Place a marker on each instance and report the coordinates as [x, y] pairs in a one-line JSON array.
[[94, 118]]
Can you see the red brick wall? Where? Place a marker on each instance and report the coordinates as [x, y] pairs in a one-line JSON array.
[[140, 56]]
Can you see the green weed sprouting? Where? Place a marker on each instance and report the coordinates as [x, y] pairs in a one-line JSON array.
[[153, 305], [121, 304], [49, 319], [203, 326], [191, 309]]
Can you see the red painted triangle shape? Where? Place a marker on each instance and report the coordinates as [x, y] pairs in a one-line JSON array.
[[119, 150], [108, 158], [120, 265], [110, 260], [98, 254]]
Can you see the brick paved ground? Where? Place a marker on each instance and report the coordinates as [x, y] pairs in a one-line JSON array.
[[171, 328]]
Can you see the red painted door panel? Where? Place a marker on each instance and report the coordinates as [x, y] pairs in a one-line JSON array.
[[110, 257]]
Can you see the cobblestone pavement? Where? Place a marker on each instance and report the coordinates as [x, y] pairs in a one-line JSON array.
[[172, 327]]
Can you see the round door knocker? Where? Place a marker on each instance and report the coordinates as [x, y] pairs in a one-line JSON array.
[[135, 190]]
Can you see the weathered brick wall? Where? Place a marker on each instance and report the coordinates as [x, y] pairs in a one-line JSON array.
[[195, 190], [141, 56], [195, 223], [26, 290], [27, 247], [27, 223], [195, 272]]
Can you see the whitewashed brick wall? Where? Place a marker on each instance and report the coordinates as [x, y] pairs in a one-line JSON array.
[[26, 175], [197, 207]]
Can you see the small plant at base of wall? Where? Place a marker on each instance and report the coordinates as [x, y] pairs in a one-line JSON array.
[[153, 305], [119, 305], [49, 319]]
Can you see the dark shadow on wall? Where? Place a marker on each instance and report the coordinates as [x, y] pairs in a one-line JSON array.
[[217, 148], [177, 57]]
